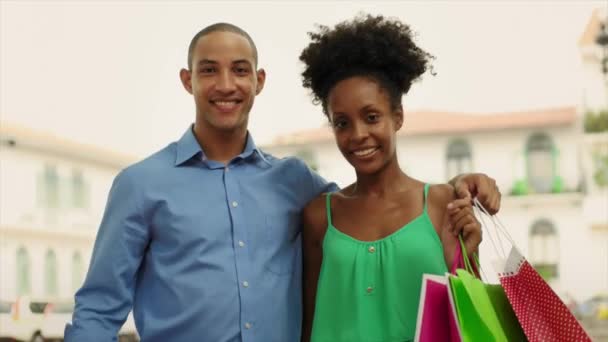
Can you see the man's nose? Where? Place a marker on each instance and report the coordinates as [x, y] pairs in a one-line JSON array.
[[226, 82]]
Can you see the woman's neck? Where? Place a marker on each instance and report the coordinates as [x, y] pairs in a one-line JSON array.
[[388, 180]]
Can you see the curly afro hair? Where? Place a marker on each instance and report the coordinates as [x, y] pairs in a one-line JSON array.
[[372, 46]]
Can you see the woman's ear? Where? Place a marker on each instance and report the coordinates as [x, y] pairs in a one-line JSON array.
[[398, 117]]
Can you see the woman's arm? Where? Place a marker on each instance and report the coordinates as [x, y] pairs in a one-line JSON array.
[[449, 221], [314, 226]]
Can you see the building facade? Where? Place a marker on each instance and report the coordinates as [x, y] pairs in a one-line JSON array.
[[52, 196]]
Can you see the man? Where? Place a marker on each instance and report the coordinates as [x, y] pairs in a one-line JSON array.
[[202, 239]]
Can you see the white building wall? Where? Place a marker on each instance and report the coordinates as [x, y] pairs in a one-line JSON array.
[[25, 222], [17, 178], [594, 83], [497, 153]]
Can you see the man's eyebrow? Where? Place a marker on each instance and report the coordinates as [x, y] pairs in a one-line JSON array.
[[206, 61], [239, 61]]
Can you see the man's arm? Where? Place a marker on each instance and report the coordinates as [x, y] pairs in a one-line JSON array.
[[480, 186], [318, 184], [105, 299]]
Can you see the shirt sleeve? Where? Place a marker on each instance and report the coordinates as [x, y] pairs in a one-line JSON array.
[[319, 185], [106, 297]]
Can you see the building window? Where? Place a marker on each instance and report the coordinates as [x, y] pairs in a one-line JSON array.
[[309, 157], [458, 158], [50, 273], [540, 153], [23, 272], [77, 271], [79, 190], [48, 187], [544, 249]]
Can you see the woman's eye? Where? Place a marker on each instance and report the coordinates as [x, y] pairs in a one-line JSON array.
[[339, 124], [373, 117]]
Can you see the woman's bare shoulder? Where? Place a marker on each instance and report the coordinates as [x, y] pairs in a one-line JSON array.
[[441, 194], [314, 214]]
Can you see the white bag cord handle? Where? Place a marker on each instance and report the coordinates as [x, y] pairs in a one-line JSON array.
[[497, 223]]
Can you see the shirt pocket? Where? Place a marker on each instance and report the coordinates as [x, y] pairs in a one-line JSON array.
[[282, 242]]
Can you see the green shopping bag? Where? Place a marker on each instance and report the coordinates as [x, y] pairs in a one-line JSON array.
[[504, 311], [483, 311]]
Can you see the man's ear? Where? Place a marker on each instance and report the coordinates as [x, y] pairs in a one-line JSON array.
[[186, 76], [261, 78], [399, 118]]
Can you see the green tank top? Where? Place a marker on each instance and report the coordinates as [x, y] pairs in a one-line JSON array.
[[369, 291]]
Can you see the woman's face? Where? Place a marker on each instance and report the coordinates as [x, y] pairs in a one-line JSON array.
[[363, 122]]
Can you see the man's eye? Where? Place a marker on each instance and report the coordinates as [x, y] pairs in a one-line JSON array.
[[239, 70], [207, 70]]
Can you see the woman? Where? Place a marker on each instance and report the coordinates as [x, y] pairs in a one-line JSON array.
[[366, 246]]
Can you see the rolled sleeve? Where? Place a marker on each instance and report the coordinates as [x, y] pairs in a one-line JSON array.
[[319, 185], [105, 299]]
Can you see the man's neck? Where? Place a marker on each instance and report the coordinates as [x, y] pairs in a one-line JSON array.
[[220, 146]]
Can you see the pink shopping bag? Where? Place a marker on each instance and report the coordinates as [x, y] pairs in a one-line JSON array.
[[436, 317], [436, 321]]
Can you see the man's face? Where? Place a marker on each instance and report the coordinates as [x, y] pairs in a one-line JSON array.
[[223, 80]]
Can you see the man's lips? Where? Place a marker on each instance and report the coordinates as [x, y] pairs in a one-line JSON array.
[[226, 106]]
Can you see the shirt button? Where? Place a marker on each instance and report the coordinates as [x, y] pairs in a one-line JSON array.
[[371, 249], [247, 325], [245, 284], [370, 289], [235, 204], [241, 244], [227, 169]]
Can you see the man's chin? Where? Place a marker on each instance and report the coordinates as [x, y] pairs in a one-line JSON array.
[[230, 127]]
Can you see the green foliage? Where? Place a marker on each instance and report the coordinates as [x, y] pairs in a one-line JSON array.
[[596, 121], [601, 171], [546, 271], [520, 188], [558, 185]]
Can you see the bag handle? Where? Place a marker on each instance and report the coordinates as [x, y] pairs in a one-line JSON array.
[[462, 260], [500, 228]]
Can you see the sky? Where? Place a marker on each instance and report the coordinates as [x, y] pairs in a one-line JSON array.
[[107, 72]]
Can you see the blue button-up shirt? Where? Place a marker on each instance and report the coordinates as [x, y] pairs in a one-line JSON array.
[[201, 251]]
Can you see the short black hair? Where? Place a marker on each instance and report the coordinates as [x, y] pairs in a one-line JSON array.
[[371, 46], [221, 27]]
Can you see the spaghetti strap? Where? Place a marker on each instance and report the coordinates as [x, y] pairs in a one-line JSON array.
[[328, 205], [426, 196]]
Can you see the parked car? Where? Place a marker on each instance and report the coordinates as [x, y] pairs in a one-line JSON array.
[[56, 315], [21, 320], [43, 321], [59, 314], [128, 332], [8, 326]]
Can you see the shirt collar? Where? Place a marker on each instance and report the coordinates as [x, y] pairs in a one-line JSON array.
[[188, 147]]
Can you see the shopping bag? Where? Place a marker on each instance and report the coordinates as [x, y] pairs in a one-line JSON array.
[[436, 320], [541, 314], [482, 310]]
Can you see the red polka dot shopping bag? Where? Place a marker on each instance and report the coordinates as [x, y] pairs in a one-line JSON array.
[[541, 313]]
